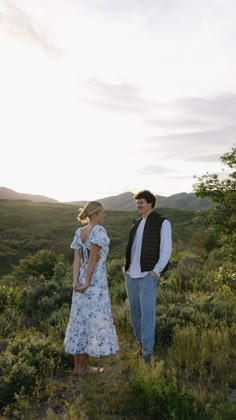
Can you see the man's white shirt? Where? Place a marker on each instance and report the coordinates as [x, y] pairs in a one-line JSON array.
[[165, 250]]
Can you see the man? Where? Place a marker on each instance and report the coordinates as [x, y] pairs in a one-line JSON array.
[[147, 254]]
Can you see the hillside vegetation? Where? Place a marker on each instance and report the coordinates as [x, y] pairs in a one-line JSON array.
[[193, 372], [27, 227]]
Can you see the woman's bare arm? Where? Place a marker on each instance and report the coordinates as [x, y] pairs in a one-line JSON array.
[[76, 268], [93, 259]]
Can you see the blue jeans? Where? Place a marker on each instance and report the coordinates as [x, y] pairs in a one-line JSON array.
[[142, 296]]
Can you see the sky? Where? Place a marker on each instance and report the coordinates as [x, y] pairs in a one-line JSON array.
[[101, 97]]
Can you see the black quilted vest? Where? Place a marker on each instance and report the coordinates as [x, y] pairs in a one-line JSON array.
[[150, 249]]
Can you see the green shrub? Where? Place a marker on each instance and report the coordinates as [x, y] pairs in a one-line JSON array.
[[189, 273], [55, 325], [224, 411], [26, 363], [227, 275], [40, 265], [9, 297], [114, 272], [170, 316], [37, 304], [206, 351], [165, 325], [222, 305], [159, 396], [121, 316], [11, 321], [118, 293]]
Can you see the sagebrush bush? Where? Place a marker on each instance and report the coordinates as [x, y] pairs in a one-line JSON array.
[[55, 325], [205, 351], [227, 275], [9, 297], [118, 293], [11, 321], [170, 316], [38, 303], [26, 363], [32, 267], [121, 316], [160, 396], [114, 267], [189, 272], [222, 305]]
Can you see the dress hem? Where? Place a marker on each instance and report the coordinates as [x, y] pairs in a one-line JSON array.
[[93, 354]]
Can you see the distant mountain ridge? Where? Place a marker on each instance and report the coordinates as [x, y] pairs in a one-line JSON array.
[[126, 202], [8, 194], [183, 201], [120, 202]]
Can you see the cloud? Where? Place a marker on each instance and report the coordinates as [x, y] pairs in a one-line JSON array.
[[179, 177], [198, 139], [17, 23], [115, 96], [210, 157], [221, 108], [154, 170], [180, 124], [170, 46], [197, 113], [194, 146], [195, 129]]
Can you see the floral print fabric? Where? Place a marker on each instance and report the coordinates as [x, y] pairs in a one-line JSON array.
[[91, 329]]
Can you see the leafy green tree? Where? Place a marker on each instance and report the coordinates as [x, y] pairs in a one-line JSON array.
[[221, 217]]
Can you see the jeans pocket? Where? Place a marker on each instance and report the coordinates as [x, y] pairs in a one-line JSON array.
[[151, 277]]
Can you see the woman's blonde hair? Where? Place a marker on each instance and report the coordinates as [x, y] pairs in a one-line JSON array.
[[86, 212]]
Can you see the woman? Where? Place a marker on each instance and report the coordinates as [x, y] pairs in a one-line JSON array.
[[90, 331]]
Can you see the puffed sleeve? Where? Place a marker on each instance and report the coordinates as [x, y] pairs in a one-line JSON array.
[[76, 244], [99, 236]]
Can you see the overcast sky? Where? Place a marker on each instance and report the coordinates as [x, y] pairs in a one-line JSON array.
[[107, 96]]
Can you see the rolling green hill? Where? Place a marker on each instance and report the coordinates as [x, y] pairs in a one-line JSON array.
[[26, 227]]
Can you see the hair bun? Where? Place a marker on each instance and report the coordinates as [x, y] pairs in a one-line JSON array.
[[82, 214]]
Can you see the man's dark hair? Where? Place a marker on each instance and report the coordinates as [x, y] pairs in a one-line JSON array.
[[147, 195]]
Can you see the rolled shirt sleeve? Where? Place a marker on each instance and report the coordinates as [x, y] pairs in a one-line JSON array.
[[165, 247]]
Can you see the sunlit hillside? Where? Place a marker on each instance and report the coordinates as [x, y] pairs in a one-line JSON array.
[[26, 227]]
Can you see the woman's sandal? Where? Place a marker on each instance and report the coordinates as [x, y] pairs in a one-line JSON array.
[[93, 369], [90, 369]]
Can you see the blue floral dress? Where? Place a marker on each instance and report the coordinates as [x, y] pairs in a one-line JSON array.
[[91, 328]]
